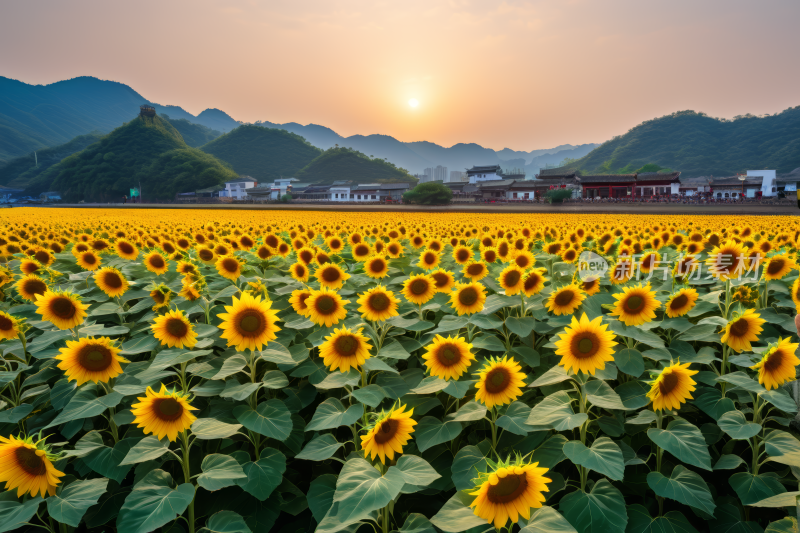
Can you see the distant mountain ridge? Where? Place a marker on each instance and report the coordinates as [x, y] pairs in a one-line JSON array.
[[33, 117]]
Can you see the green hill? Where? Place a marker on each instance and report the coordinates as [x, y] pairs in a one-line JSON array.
[[263, 153], [22, 171], [149, 151], [347, 164], [194, 135], [699, 145]]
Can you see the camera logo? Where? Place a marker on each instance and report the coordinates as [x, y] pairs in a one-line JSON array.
[[591, 266]]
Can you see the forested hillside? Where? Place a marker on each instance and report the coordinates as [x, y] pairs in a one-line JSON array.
[[346, 164]]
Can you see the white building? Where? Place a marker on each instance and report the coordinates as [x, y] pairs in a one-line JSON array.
[[484, 173], [236, 188], [768, 185], [339, 194]]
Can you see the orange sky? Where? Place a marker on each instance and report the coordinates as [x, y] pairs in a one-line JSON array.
[[517, 74]]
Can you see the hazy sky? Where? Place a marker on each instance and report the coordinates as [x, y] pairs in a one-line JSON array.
[[518, 74]]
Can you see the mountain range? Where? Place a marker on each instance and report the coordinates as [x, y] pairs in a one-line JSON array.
[[33, 117]]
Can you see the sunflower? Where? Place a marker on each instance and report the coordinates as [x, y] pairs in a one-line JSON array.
[[111, 281], [475, 270], [672, 387], [565, 301], [448, 358], [298, 301], [377, 304], [468, 298], [335, 244], [419, 289], [264, 252], [778, 266], [164, 413], [30, 286], [533, 282], [161, 295], [392, 431], [361, 251], [27, 466], [512, 279], [9, 326], [344, 349], [206, 255], [429, 260], [590, 285], [443, 279], [394, 249], [189, 292], [462, 254], [681, 302], [649, 261], [376, 267], [526, 260], [727, 260], [742, 330], [174, 330], [29, 266], [331, 276], [229, 267], [499, 382], [299, 271], [509, 492], [63, 308], [156, 263], [90, 360], [488, 256], [622, 270], [585, 345], [778, 365], [249, 323], [326, 307], [636, 305], [186, 267], [685, 266]]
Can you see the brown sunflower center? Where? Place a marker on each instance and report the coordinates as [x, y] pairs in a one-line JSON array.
[[429, 258], [42, 256], [331, 274], [740, 327], [589, 284], [774, 361], [679, 301], [378, 265], [462, 255], [306, 256], [157, 261], [388, 429], [35, 286], [125, 248], [323, 258], [512, 278], [775, 266], [584, 345], [113, 280], [531, 281], [325, 304], [394, 250], [448, 355], [497, 380], [564, 298], [271, 241], [177, 327], [346, 345], [95, 357], [158, 297], [30, 462], [300, 271], [521, 261], [441, 279], [361, 250], [468, 296], [230, 265], [5, 323], [63, 307], [634, 304], [668, 383], [725, 262], [379, 301], [168, 409], [649, 261], [475, 269], [490, 256], [508, 489], [205, 254], [419, 286]]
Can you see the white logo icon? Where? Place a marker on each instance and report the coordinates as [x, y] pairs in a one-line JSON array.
[[591, 266]]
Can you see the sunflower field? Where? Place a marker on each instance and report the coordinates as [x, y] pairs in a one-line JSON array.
[[237, 372]]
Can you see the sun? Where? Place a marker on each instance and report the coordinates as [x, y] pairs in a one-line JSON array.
[[413, 102]]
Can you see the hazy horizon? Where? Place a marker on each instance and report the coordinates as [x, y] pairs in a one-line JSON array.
[[517, 74]]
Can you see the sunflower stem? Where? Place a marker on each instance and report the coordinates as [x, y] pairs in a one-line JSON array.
[[493, 411], [187, 475]]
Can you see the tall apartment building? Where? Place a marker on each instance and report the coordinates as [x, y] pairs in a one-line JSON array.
[[456, 176]]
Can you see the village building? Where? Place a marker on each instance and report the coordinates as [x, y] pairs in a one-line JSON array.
[[237, 189], [484, 173]]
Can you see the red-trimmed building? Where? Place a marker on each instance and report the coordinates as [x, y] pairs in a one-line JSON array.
[[644, 185]]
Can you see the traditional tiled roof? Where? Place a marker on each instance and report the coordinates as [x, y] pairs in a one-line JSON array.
[[657, 176], [556, 172], [486, 168], [496, 184], [395, 186]]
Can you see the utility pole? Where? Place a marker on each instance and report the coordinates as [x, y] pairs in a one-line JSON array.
[[140, 191], [36, 158]]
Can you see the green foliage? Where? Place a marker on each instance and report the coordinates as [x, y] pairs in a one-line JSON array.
[[429, 193], [698, 145], [146, 150], [194, 135], [347, 164], [23, 172], [286, 198], [263, 153], [556, 196]]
